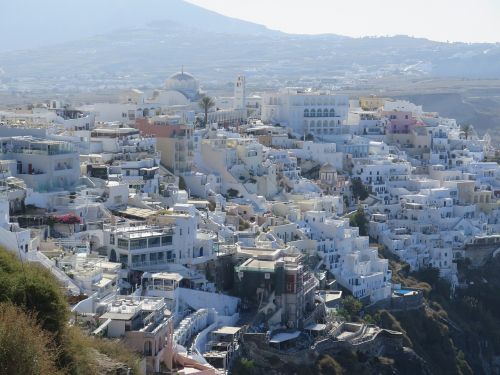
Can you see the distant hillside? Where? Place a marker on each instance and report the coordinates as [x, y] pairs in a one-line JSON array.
[[112, 44], [34, 24]]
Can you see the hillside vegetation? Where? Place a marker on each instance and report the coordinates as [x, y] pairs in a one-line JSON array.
[[34, 316]]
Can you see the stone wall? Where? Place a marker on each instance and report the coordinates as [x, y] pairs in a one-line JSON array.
[[399, 303], [256, 345]]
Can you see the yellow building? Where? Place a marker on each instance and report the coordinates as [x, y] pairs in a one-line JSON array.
[[371, 103]]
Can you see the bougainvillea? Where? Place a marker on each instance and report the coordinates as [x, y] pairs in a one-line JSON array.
[[66, 219]]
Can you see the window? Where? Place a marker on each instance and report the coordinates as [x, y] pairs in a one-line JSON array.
[[166, 240], [122, 244], [141, 243], [111, 239], [306, 113], [290, 283], [154, 242]]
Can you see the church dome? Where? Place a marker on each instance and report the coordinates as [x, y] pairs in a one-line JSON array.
[[184, 83]]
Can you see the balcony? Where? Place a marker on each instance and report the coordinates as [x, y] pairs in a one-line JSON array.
[[310, 284], [151, 263], [197, 260]]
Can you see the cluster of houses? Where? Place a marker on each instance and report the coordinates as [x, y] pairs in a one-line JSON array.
[[180, 237]]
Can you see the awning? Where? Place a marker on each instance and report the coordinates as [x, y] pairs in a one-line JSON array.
[[285, 336], [315, 327]]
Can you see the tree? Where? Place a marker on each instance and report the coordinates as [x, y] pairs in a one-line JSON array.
[[206, 103], [327, 365], [350, 307], [359, 190], [232, 193], [244, 366], [358, 219], [309, 137], [466, 129], [346, 202]]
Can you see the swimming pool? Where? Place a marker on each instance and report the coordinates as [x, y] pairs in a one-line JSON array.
[[404, 292]]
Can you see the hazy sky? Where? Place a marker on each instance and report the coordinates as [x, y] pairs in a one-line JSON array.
[[452, 20]]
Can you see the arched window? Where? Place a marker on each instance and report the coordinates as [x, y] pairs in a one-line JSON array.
[[306, 113], [332, 112], [325, 123], [313, 113]]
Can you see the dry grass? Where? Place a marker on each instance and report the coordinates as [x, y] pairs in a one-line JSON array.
[[25, 348], [82, 353]]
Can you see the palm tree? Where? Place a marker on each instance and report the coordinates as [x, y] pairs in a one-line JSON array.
[[206, 103], [466, 129]]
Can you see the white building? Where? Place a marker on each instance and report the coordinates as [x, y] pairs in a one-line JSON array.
[[239, 162], [91, 274], [382, 173], [12, 237], [240, 93], [321, 153], [306, 112], [348, 256], [44, 165], [144, 324]]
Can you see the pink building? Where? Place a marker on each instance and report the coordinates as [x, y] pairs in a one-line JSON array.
[[400, 122]]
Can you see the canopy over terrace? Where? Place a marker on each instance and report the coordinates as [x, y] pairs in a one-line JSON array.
[[315, 327], [280, 338]]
